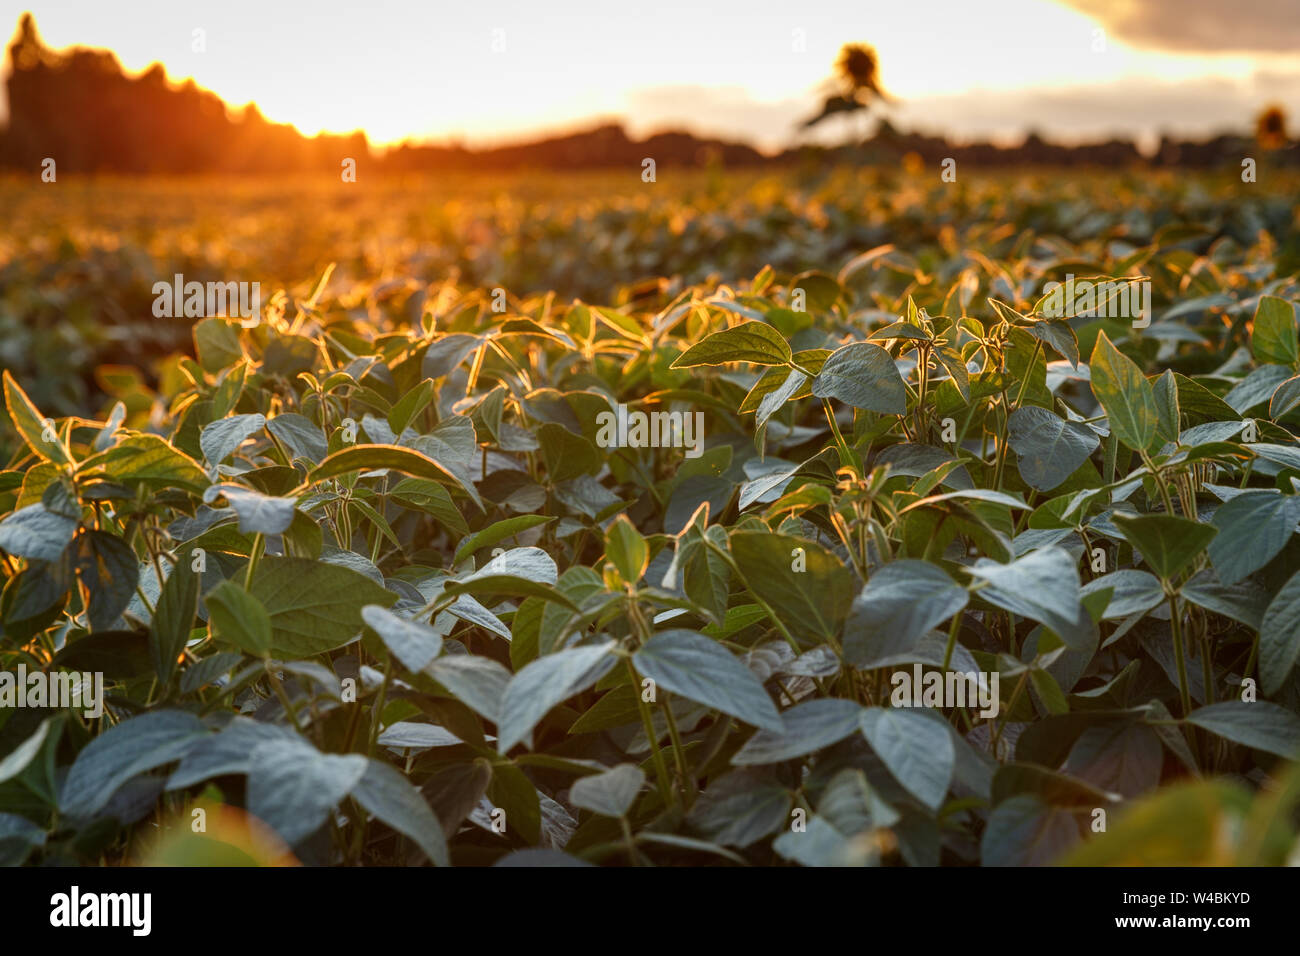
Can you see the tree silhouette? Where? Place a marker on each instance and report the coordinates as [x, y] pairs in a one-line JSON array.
[[1270, 128], [856, 84], [80, 108]]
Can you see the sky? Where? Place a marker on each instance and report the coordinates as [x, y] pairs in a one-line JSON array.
[[496, 71]]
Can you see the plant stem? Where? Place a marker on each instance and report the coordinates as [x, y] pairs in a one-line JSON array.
[[1011, 705], [679, 753], [1001, 460], [377, 713], [847, 458], [1250, 660], [1160, 483], [284, 700], [1176, 626], [668, 794], [1207, 670], [258, 544], [953, 630], [630, 841]]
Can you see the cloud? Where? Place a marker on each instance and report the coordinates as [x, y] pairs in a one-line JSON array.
[[1199, 26], [1132, 108]]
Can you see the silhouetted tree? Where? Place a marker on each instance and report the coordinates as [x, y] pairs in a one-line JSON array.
[[81, 109], [1270, 128], [857, 83]]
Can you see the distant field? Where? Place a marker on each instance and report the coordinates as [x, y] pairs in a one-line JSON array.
[[79, 258]]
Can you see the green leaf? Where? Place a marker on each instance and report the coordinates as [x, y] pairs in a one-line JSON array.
[[124, 751], [431, 497], [391, 797], [1244, 601], [546, 682], [1133, 591], [238, 618], [852, 806], [117, 654], [512, 791], [18, 837], [393, 457], [1279, 637], [1285, 398], [1049, 448], [477, 682], [776, 376], [35, 533], [901, 603], [567, 454], [742, 807], [1252, 528], [258, 513], [108, 568], [216, 343], [150, 461], [971, 494], [1167, 543], [1057, 788], [31, 424], [523, 572], [1124, 394], [1257, 387], [821, 844], [1049, 691], [610, 793], [1273, 338], [16, 761], [1256, 724], [706, 575], [446, 352], [1027, 831], [864, 376], [497, 531], [413, 643], [820, 291], [696, 667], [204, 672], [313, 606], [755, 342], [1120, 757], [412, 403], [771, 402], [627, 549], [292, 787], [1169, 414], [809, 726], [468, 609], [917, 750], [951, 360], [221, 438], [1043, 586], [808, 587], [173, 618], [496, 584], [1059, 335], [301, 437], [33, 598]]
